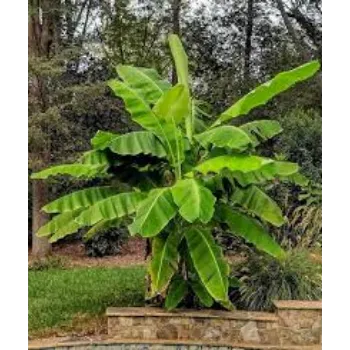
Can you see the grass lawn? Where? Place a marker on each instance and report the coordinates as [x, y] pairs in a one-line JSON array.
[[69, 299]]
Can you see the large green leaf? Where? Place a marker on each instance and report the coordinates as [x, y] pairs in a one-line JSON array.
[[164, 263], [261, 130], [94, 157], [137, 142], [154, 213], [176, 293], [194, 200], [79, 199], [258, 202], [209, 262], [142, 114], [250, 229], [175, 146], [180, 59], [181, 65], [100, 227], [135, 104], [198, 114], [265, 92], [173, 106], [60, 226], [146, 81], [224, 136], [75, 170], [279, 170], [194, 280], [239, 162], [102, 139], [201, 293], [111, 208], [297, 179]]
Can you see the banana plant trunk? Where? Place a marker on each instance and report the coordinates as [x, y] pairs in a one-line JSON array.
[[248, 40]]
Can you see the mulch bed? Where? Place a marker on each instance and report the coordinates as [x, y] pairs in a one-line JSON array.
[[73, 255]]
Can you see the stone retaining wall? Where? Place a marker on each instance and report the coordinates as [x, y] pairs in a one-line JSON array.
[[114, 345], [293, 323]]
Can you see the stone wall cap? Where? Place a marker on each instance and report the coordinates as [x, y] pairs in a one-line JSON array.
[[298, 304], [158, 312], [55, 343]]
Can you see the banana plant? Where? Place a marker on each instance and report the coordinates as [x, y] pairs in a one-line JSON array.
[[176, 179]]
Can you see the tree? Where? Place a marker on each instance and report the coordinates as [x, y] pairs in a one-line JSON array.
[[54, 45], [296, 40], [42, 40], [309, 26], [248, 41], [133, 32], [182, 179]]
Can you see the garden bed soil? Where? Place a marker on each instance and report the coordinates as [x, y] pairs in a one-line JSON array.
[[133, 253], [73, 255]]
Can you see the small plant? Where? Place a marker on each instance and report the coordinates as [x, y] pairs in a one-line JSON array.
[[303, 207], [307, 217], [50, 262], [182, 179], [106, 243], [264, 279]]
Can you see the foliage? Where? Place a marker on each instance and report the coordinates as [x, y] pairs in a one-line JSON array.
[[205, 179], [106, 243], [91, 37], [264, 279], [303, 208], [307, 217], [133, 31], [301, 140], [231, 244]]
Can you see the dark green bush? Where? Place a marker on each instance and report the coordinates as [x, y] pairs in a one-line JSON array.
[[231, 244], [107, 243], [301, 141], [265, 279]]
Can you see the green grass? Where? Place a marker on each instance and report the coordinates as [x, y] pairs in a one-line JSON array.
[[56, 296]]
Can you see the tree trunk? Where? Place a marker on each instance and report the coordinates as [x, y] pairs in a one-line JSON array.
[[43, 34], [176, 7], [310, 29], [248, 41], [69, 21], [40, 245], [300, 49]]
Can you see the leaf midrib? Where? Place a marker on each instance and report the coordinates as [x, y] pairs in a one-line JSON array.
[[150, 79], [214, 258], [152, 206], [153, 115]]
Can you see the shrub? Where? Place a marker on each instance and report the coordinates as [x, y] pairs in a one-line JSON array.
[[306, 218], [301, 141], [265, 279], [107, 243], [302, 206]]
